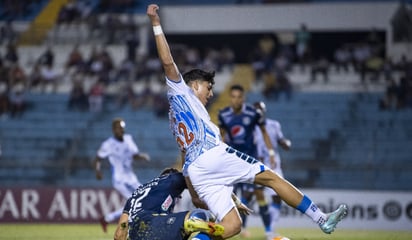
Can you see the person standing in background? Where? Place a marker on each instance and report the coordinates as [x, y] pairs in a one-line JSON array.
[[237, 123], [274, 131], [120, 149]]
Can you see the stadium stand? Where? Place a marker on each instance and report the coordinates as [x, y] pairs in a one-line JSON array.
[[339, 134]]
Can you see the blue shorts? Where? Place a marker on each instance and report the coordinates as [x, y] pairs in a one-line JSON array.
[[158, 227]]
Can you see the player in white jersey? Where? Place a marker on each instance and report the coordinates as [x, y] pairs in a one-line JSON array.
[[274, 131], [211, 165], [120, 149]]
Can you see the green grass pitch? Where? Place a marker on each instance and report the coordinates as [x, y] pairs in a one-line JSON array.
[[94, 232]]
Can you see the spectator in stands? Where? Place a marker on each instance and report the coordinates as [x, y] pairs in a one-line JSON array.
[[132, 41], [303, 41], [390, 100], [210, 60], [7, 33], [11, 57], [49, 77], [35, 77], [17, 101], [226, 58], [126, 95], [192, 57], [319, 66], [94, 26], [162, 105], [47, 58], [4, 75], [343, 58], [4, 103], [96, 96], [405, 92], [17, 76], [387, 69], [151, 68], [283, 62], [361, 54], [404, 66], [125, 71], [78, 98], [283, 85], [75, 60], [102, 65], [372, 68], [110, 27], [68, 13]]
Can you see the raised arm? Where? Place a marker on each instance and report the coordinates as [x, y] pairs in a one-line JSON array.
[[163, 49]]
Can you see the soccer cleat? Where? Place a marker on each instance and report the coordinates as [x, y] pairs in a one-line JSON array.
[[198, 225], [103, 223], [280, 238], [334, 218]]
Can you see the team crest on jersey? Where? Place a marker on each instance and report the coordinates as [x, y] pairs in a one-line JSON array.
[[167, 203], [246, 120], [171, 220]]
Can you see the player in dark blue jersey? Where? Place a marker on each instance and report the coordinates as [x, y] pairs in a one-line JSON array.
[[148, 213], [237, 124]]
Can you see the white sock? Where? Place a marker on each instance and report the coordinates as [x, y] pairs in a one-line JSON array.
[[274, 215], [311, 210], [113, 216], [316, 214]]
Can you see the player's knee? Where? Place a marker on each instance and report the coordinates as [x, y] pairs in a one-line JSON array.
[[267, 178], [232, 224]]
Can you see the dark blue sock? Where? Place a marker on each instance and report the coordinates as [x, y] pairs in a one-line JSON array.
[[265, 215]]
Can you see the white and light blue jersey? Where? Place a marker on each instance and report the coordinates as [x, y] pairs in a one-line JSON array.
[[275, 133], [120, 155], [195, 133]]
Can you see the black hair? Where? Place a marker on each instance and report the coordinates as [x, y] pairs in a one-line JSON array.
[[237, 87], [168, 171], [198, 74]]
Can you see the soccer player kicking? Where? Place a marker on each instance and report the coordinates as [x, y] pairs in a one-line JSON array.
[[148, 213], [211, 165]]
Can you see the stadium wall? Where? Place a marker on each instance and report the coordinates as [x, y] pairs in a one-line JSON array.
[[367, 209], [286, 18]]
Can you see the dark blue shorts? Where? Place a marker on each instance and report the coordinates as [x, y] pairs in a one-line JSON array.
[[158, 227]]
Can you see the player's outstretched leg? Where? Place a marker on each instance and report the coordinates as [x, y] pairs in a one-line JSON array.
[[333, 219]]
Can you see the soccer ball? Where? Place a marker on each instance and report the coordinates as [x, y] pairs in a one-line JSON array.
[[280, 238], [202, 214]]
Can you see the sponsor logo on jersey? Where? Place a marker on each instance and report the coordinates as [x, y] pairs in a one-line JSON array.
[[237, 130], [167, 203]]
